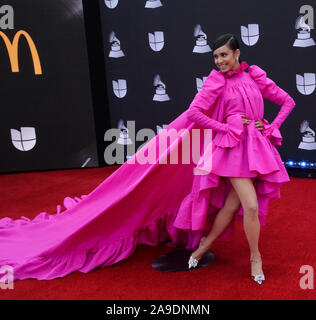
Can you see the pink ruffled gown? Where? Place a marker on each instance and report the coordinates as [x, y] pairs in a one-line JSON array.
[[238, 150], [151, 203]]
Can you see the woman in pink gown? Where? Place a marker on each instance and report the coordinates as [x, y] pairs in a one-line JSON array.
[[238, 173], [244, 153]]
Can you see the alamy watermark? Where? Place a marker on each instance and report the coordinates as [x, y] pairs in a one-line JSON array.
[[307, 11], [307, 280], [6, 280], [6, 17], [158, 148]]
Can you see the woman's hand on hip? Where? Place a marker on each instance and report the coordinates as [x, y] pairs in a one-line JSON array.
[[244, 120], [258, 124]]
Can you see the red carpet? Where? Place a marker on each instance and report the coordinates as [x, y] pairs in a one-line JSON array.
[[287, 242]]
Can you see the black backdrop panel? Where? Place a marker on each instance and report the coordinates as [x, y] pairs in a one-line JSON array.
[[178, 66], [56, 105]]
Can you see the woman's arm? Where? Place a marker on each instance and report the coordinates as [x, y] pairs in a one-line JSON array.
[[273, 93], [205, 99]]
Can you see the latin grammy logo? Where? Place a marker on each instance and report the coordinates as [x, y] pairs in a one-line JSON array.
[[161, 94], [124, 139], [201, 45], [304, 38], [116, 51], [308, 140]]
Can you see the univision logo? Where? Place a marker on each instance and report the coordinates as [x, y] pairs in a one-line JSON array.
[[156, 40], [25, 139], [119, 88], [250, 34], [306, 84], [111, 4]]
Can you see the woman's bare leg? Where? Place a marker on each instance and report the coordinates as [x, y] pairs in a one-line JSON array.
[[247, 194], [221, 221]]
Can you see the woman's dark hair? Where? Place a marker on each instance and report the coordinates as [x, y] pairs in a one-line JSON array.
[[226, 39]]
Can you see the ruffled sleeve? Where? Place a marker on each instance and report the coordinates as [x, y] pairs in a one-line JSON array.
[[204, 100], [272, 133], [234, 134], [272, 92]]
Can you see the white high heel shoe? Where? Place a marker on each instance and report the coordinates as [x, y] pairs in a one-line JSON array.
[[192, 261], [259, 278]]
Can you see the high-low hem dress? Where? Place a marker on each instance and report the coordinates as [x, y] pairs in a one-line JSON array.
[[240, 151], [145, 203]]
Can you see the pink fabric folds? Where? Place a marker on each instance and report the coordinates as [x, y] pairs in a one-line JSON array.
[[231, 138], [242, 67], [136, 204], [272, 92], [272, 132], [147, 203]]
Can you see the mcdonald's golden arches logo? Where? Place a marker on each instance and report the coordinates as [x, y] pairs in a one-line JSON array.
[[13, 51]]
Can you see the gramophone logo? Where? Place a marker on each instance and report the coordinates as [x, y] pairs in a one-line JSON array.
[[159, 128], [201, 45], [152, 4], [160, 94], [250, 35], [25, 139], [306, 84], [308, 140], [111, 4], [119, 88], [199, 83], [304, 36], [116, 51], [124, 138], [156, 40], [7, 22]]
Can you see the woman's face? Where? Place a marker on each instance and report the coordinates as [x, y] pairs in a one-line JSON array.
[[226, 59]]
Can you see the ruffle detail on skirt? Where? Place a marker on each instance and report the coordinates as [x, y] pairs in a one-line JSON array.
[[272, 133], [102, 252], [261, 153], [254, 156], [231, 138], [181, 226], [209, 192], [68, 203]]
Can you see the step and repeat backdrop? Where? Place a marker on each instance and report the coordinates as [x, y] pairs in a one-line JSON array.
[[155, 56], [158, 53], [46, 117]]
